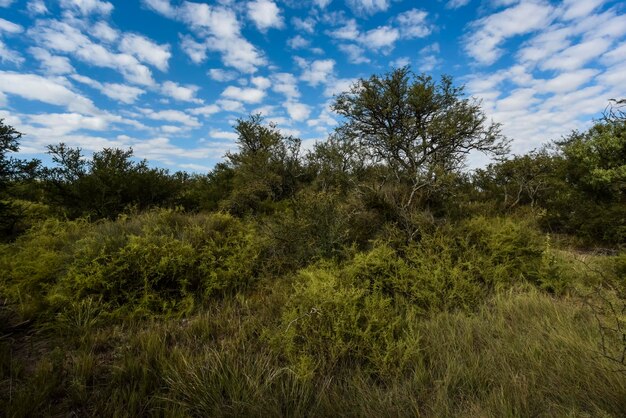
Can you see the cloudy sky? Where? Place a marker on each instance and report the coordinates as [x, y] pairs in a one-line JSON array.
[[169, 78]]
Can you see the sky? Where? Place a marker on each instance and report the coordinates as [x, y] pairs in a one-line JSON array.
[[170, 78]]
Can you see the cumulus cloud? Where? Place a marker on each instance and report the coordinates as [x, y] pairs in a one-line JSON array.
[[455, 4], [220, 30], [10, 27], [487, 34], [180, 93], [87, 7], [285, 84], [171, 115], [354, 53], [146, 50], [297, 42], [38, 88], [36, 7], [297, 111], [265, 14], [64, 38], [244, 94], [317, 71], [368, 7], [222, 75], [413, 24], [51, 64], [120, 92]]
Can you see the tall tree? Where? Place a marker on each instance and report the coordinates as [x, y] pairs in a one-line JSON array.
[[419, 131]]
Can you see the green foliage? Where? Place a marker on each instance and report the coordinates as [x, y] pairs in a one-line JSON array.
[[158, 262], [266, 168], [107, 184]]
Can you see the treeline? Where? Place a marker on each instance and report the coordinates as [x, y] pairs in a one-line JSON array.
[[398, 158]]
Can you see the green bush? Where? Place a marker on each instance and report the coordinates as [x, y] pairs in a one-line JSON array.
[[160, 261], [330, 323]]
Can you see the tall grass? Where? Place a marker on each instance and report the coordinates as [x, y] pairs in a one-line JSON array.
[[483, 318]]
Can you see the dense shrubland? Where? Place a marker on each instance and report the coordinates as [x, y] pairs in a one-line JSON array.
[[370, 276]]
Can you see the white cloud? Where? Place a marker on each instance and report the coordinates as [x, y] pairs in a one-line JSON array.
[[577, 55], [9, 55], [146, 50], [6, 3], [355, 54], [305, 25], [228, 135], [368, 7], [171, 115], [120, 92], [261, 82], [37, 88], [400, 62], [455, 4], [297, 111], [221, 75], [265, 14], [244, 94], [10, 27], [617, 54], [207, 110], [566, 82], [317, 72], [381, 37], [52, 64], [63, 37], [180, 93], [413, 24], [484, 42], [297, 42], [322, 3], [104, 32], [575, 9], [429, 58], [231, 105], [37, 7], [337, 86], [196, 51], [87, 7], [348, 32], [220, 29], [286, 84]]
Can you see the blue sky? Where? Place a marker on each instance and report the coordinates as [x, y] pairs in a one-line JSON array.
[[169, 78]]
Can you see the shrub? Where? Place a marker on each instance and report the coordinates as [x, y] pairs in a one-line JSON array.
[[160, 261]]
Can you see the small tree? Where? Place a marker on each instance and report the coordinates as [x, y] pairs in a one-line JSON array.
[[11, 170], [266, 167]]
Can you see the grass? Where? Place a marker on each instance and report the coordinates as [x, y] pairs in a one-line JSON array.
[[504, 324], [523, 353]]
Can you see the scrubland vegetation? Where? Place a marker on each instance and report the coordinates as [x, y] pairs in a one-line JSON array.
[[372, 276]]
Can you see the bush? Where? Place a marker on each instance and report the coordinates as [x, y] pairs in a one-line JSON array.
[[160, 261]]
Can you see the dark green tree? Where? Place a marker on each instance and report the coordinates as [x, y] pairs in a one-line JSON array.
[[12, 171], [419, 132], [266, 167]]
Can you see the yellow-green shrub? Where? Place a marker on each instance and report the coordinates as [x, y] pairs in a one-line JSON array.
[[155, 262], [330, 323]]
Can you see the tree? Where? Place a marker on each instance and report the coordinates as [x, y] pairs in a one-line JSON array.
[[266, 167], [11, 170], [416, 126], [524, 179], [106, 185], [420, 132]]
